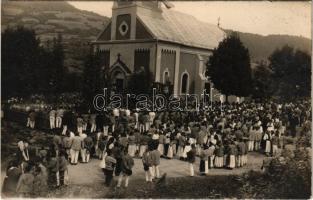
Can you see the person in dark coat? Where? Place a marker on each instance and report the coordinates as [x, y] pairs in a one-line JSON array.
[[191, 158], [110, 163], [117, 152], [66, 121], [88, 145], [127, 165], [241, 146], [204, 163], [100, 121], [53, 169], [62, 167], [13, 174]]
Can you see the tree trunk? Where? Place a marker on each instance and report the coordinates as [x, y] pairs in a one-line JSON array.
[[226, 95]]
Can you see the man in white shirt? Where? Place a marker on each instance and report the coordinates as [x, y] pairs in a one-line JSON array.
[[52, 114], [116, 112], [151, 117]]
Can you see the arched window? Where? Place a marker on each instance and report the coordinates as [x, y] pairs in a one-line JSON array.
[[184, 83], [166, 77]]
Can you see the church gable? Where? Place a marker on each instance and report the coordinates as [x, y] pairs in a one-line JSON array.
[[106, 34], [141, 31], [123, 27]]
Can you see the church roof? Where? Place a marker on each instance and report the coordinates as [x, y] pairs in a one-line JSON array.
[[178, 27]]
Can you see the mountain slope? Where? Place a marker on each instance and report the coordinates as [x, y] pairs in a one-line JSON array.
[[49, 19], [261, 47]]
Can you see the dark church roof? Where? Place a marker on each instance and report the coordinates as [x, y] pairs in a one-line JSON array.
[[181, 28]]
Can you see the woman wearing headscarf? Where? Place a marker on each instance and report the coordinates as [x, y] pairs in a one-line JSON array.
[[22, 155]]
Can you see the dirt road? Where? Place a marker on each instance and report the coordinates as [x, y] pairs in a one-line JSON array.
[[90, 173]]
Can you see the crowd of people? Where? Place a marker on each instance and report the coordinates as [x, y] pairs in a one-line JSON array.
[[33, 174], [220, 136]]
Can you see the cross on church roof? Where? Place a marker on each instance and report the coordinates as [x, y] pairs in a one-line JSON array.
[[118, 56]]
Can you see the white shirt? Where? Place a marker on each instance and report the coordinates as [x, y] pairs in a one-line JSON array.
[[155, 136], [83, 135], [152, 116], [127, 112], [116, 112], [72, 134], [136, 116]]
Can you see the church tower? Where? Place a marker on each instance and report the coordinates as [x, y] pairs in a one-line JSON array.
[[124, 15]]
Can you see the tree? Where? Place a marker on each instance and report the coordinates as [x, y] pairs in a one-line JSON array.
[[291, 72], [56, 67], [20, 60], [262, 81], [229, 67], [93, 77], [29, 68]]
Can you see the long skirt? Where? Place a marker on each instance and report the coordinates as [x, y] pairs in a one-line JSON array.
[[180, 151], [170, 152], [186, 149], [132, 150], [225, 160], [268, 146], [192, 141], [232, 161], [161, 148], [250, 145], [239, 161], [244, 159], [219, 161], [211, 161], [198, 149], [274, 149], [142, 149], [174, 148]]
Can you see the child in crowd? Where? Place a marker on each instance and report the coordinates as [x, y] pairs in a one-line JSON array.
[[127, 165], [147, 164], [110, 163]]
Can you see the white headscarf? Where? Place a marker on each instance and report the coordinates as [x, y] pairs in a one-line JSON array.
[[20, 145]]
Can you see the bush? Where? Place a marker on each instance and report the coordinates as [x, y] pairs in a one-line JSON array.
[[290, 177]]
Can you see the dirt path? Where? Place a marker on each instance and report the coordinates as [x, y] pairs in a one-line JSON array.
[[90, 173]]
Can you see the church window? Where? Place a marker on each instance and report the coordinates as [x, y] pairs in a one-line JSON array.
[[184, 83], [123, 28], [142, 59], [166, 76]]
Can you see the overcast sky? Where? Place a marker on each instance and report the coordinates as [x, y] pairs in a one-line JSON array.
[[261, 17]]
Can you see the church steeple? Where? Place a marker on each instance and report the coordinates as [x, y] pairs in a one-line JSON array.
[[124, 15], [144, 4]]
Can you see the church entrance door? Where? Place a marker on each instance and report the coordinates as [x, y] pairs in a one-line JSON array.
[[119, 81], [119, 84]]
